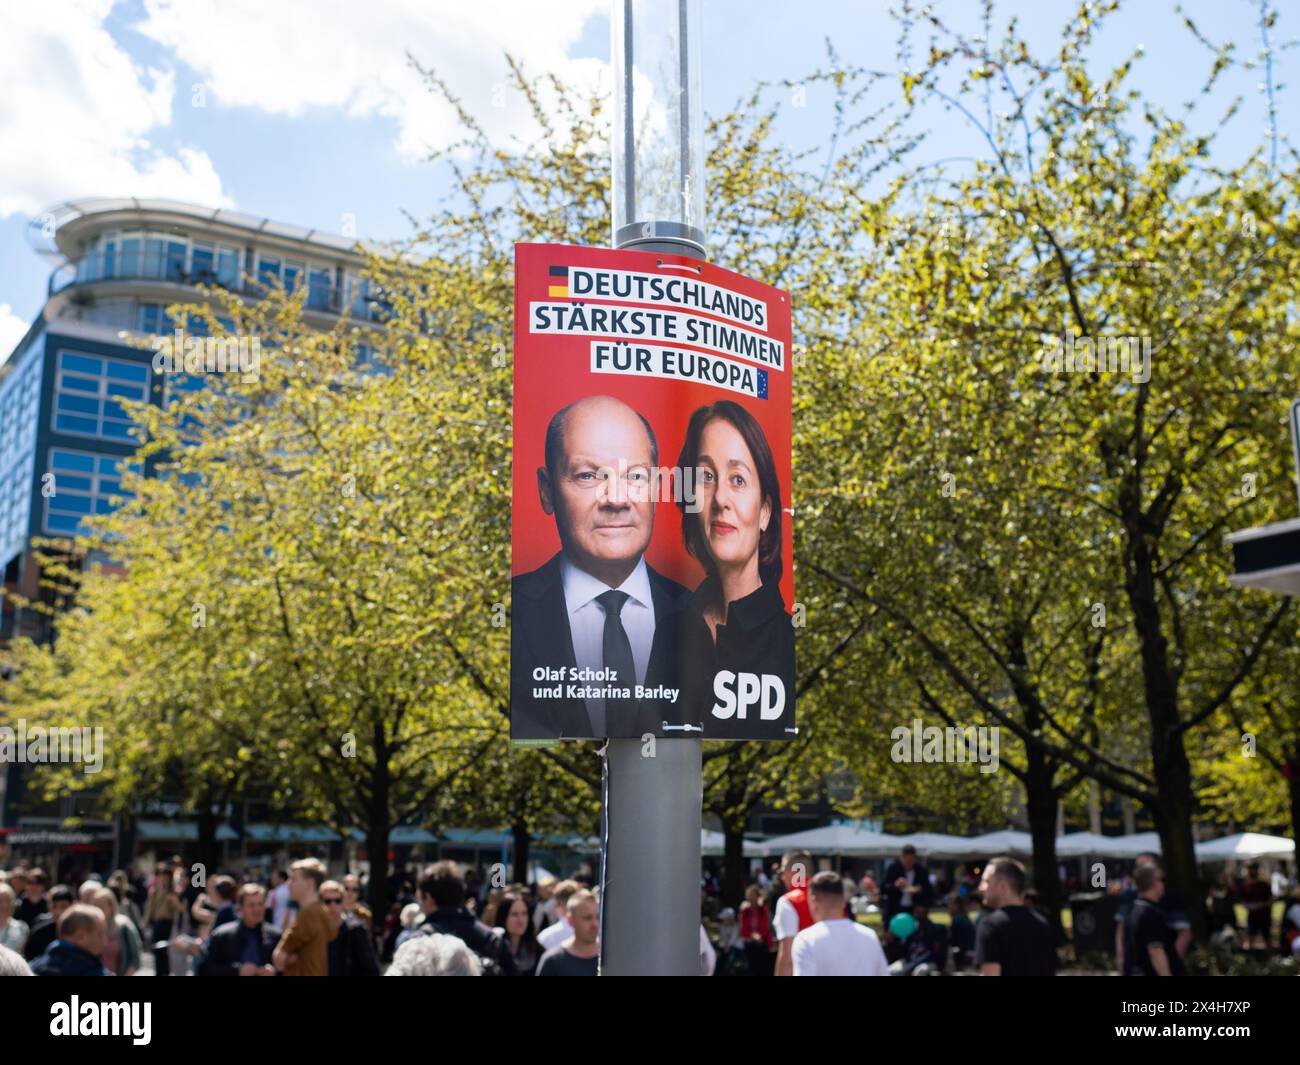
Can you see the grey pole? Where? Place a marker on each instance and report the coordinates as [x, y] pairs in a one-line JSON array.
[[652, 788]]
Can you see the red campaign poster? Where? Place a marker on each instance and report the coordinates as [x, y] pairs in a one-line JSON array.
[[652, 547]]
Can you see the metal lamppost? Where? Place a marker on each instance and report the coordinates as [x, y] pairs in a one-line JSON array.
[[650, 831]]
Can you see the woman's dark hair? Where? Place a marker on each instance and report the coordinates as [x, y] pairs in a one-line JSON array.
[[769, 541], [504, 907]]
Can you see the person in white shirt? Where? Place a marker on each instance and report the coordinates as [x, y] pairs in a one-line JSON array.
[[555, 934], [796, 867], [708, 956], [278, 899], [835, 945]]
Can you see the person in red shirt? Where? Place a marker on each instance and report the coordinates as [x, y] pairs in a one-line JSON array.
[[792, 912], [756, 932]]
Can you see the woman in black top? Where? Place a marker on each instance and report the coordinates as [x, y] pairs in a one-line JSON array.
[[735, 533], [515, 918]]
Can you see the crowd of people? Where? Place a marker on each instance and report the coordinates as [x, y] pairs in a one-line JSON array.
[[296, 922], [994, 923], [445, 920]]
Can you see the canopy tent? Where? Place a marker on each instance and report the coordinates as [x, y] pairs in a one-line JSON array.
[[1007, 841], [845, 840], [1083, 845], [713, 844], [938, 845], [1245, 845], [1131, 846]]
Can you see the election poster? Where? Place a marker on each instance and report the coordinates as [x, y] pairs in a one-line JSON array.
[[652, 586]]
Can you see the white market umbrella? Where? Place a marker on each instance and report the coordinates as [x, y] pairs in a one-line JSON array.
[[1132, 846], [1245, 845], [939, 845], [1007, 841], [713, 845], [1083, 845], [842, 840]]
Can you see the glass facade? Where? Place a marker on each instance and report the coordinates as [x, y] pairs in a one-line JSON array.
[[83, 484], [19, 407], [87, 394], [124, 256]]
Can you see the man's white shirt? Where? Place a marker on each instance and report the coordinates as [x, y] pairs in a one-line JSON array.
[[279, 904], [554, 934], [785, 922], [587, 618], [838, 947]]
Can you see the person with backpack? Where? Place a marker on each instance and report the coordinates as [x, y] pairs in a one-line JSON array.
[[441, 895]]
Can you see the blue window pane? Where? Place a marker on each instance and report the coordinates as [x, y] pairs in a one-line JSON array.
[[62, 523], [115, 411], [268, 271], [129, 261], [81, 404], [117, 431], [202, 263], [81, 363], [71, 483], [227, 268], [103, 506], [71, 460], [110, 488], [67, 504], [81, 384], [130, 391], [318, 292], [153, 257], [125, 371], [175, 262], [150, 317], [68, 424]]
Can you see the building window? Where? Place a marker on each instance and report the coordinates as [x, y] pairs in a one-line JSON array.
[[84, 485], [319, 287], [15, 501], [158, 257], [87, 392], [151, 318]]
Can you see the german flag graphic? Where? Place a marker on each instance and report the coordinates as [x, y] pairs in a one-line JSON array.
[[559, 286]]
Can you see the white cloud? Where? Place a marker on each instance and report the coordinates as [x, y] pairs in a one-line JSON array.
[[76, 113], [12, 330], [291, 56]]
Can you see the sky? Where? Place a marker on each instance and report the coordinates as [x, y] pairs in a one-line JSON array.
[[310, 112]]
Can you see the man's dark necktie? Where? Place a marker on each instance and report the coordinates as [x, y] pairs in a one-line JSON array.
[[617, 654]]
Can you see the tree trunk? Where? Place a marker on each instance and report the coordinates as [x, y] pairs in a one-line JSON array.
[[1040, 806], [379, 825], [519, 830], [209, 849], [377, 856], [1291, 770], [1178, 855], [733, 862], [1175, 798]]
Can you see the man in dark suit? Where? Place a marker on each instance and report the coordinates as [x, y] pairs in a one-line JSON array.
[[906, 884], [602, 645], [243, 947]]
